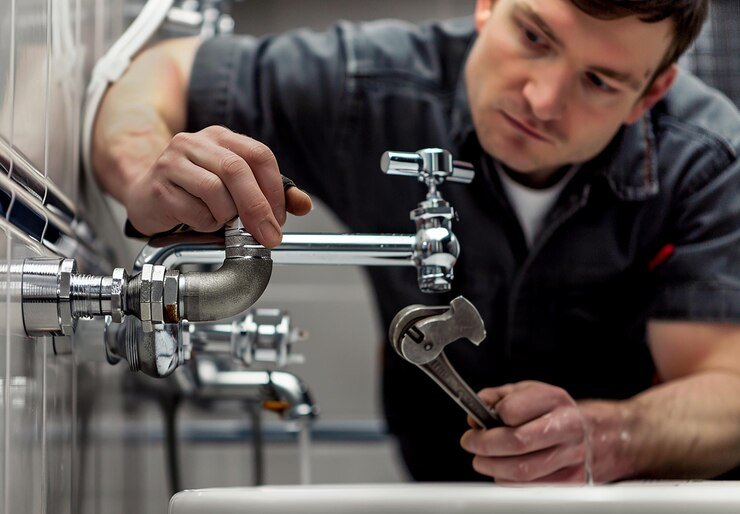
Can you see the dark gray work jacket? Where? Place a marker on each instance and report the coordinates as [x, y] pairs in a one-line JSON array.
[[650, 229]]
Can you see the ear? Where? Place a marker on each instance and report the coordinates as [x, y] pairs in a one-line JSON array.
[[653, 95], [482, 13]]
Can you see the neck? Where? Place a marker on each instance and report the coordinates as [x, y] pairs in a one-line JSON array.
[[540, 179]]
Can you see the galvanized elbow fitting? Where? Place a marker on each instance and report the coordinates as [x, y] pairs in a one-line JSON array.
[[160, 295], [231, 289]]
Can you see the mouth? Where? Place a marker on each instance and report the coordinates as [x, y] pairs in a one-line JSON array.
[[525, 129]]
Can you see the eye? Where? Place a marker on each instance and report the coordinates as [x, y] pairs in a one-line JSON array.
[[533, 38], [596, 81]]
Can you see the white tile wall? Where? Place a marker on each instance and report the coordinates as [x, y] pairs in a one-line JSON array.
[[42, 47]]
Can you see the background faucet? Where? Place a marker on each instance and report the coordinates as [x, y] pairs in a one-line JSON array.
[[244, 361]]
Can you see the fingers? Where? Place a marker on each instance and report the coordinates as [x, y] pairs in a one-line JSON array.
[[297, 202], [230, 175], [263, 165], [562, 426], [545, 434], [180, 207], [519, 403], [238, 177], [533, 466], [203, 184], [576, 474]]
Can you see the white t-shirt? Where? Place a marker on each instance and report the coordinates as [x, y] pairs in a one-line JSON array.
[[532, 205]]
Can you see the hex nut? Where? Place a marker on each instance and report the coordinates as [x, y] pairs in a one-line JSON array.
[[120, 279], [145, 297], [157, 294], [171, 279], [67, 322]]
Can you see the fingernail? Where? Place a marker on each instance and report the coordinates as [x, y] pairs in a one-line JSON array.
[[270, 233]]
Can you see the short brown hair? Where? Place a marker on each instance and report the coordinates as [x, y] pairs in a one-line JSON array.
[[687, 15]]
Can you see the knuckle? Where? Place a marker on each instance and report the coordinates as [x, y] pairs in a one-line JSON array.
[[202, 221], [224, 215], [258, 209], [562, 395], [215, 131], [506, 410], [232, 165], [261, 153], [182, 140], [521, 441], [210, 226], [209, 184], [203, 214], [574, 422], [160, 191], [167, 160]]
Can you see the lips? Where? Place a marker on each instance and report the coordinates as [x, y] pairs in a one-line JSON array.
[[524, 128]]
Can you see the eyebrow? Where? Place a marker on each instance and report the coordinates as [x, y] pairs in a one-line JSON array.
[[624, 78], [619, 76]]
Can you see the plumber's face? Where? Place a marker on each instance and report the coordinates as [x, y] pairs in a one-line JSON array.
[[549, 85]]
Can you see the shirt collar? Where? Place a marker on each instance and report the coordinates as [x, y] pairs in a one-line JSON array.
[[630, 162]]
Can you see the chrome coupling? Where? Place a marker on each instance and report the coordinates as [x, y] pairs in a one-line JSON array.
[[55, 296]]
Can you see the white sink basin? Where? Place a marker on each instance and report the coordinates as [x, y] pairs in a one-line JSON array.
[[637, 497]]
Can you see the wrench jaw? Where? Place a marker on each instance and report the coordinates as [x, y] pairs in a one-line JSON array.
[[468, 320], [420, 334], [405, 336]]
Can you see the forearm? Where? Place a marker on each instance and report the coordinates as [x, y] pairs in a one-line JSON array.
[[686, 428], [139, 114]]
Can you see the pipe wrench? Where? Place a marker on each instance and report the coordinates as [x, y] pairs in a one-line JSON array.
[[420, 334]]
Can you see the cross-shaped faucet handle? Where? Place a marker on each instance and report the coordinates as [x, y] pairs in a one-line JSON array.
[[430, 165]]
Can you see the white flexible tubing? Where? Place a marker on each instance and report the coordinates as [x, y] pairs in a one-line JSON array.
[[112, 65]]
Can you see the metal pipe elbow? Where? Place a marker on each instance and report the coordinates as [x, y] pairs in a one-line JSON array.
[[226, 292]]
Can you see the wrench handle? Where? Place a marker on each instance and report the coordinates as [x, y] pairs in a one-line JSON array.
[[448, 379]]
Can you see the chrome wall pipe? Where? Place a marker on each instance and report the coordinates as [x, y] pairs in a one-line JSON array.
[[308, 248]]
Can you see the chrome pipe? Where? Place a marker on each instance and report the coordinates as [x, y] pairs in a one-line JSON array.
[[309, 249], [346, 249]]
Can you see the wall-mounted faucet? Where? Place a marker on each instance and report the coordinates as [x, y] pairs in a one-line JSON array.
[[55, 296], [433, 249]]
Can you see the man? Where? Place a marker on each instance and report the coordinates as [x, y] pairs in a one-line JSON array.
[[600, 239]]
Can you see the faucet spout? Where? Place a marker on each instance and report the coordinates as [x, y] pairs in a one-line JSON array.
[[279, 391]]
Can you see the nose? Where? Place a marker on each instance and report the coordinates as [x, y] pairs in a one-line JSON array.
[[546, 92]]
